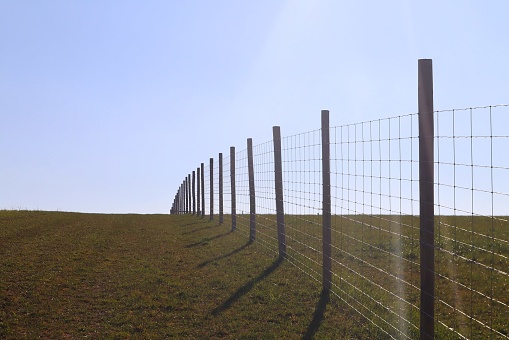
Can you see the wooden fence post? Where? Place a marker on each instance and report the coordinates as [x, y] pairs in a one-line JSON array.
[[184, 197], [232, 185], [198, 190], [211, 198], [193, 184], [183, 205], [252, 202], [220, 188], [426, 193], [176, 210], [202, 190], [178, 201], [189, 198], [326, 204], [278, 172]]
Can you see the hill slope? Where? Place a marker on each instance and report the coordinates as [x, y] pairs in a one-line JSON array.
[[71, 275]]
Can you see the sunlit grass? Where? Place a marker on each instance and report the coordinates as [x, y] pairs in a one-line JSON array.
[[69, 275], [159, 276]]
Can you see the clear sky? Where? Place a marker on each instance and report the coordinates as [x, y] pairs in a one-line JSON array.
[[106, 105]]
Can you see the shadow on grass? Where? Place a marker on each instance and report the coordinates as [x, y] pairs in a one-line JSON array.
[[198, 229], [203, 264], [206, 240], [247, 287], [318, 315]]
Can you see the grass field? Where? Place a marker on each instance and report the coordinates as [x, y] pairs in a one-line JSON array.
[[375, 268], [70, 275]]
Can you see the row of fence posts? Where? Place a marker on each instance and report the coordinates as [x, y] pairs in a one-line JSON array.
[[185, 198]]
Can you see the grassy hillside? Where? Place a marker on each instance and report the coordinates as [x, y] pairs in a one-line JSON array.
[[70, 275]]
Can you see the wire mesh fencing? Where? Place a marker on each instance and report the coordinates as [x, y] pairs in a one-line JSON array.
[[302, 188], [266, 228], [375, 228], [472, 228], [375, 234], [242, 192], [406, 225]]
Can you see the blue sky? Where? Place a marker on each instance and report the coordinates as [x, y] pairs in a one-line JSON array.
[[106, 105]]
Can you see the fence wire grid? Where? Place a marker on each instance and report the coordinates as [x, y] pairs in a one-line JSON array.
[[375, 217]]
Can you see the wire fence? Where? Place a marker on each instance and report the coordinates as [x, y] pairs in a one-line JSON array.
[[355, 219]]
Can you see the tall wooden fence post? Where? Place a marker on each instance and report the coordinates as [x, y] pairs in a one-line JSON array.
[[198, 191], [183, 193], [202, 190], [278, 172], [189, 205], [176, 211], [187, 195], [252, 202], [211, 199], [426, 197], [184, 197], [220, 188], [193, 185], [326, 204], [232, 186]]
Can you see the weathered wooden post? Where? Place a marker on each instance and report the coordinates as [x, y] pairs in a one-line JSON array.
[[177, 211], [181, 194], [198, 190], [194, 191], [202, 190], [189, 201], [211, 189], [184, 196], [426, 197], [220, 188], [278, 172], [252, 202], [326, 204], [232, 186]]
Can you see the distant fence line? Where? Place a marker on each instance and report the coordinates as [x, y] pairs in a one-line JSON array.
[[401, 218]]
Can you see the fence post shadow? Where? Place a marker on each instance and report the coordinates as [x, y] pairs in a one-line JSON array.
[[233, 252], [206, 240], [247, 287], [318, 314], [192, 231]]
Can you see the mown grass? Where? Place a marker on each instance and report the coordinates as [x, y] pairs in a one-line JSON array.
[[375, 268], [70, 275]]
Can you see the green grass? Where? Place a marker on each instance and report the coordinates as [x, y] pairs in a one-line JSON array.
[[375, 264], [70, 275]]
